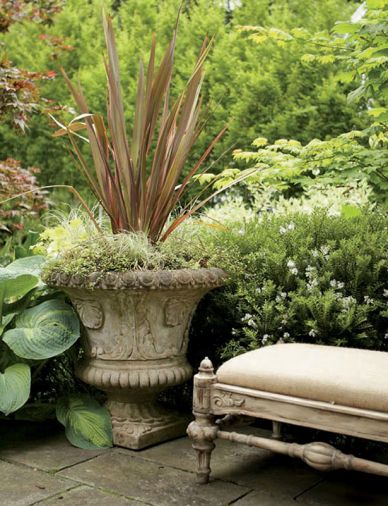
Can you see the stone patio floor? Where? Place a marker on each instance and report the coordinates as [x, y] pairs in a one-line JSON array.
[[39, 466]]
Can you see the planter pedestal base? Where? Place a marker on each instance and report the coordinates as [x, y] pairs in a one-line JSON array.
[[142, 424]]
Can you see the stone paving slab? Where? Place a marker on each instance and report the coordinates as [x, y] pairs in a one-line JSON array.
[[22, 486], [88, 496], [348, 489], [30, 458], [255, 498], [144, 480], [49, 453], [246, 466]]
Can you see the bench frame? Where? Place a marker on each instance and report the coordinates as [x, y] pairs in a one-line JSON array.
[[212, 399]]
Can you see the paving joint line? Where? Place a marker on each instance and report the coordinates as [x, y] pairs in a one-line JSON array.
[[241, 497], [311, 487], [57, 494], [159, 463], [26, 466], [88, 459]]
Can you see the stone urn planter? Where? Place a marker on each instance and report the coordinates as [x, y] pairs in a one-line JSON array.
[[135, 342]]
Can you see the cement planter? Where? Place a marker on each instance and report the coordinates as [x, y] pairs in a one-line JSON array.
[[135, 341]]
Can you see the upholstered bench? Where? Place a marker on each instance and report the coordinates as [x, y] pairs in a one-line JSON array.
[[340, 390]]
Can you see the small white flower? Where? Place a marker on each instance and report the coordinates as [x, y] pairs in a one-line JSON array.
[[347, 302], [386, 335], [334, 213], [368, 300], [241, 231], [294, 271], [315, 253], [333, 283], [246, 317], [289, 227], [265, 338], [316, 172], [251, 323], [312, 284], [283, 295], [340, 285], [286, 335], [284, 321], [290, 264], [312, 333], [385, 292], [325, 249], [258, 290]]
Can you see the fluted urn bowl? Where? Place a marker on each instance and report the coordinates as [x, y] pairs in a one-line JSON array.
[[135, 341]]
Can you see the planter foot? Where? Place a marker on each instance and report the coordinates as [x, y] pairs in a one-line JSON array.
[[154, 426]]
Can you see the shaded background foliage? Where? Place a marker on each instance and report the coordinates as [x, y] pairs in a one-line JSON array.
[[258, 90]]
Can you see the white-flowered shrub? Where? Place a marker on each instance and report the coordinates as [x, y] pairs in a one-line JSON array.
[[299, 278]]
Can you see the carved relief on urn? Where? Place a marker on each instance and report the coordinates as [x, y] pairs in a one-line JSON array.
[[136, 336]]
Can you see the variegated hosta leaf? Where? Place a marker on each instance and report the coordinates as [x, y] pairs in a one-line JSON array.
[[19, 277], [88, 424], [15, 384], [44, 331]]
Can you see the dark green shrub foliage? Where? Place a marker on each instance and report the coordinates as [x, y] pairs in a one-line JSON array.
[[305, 278]]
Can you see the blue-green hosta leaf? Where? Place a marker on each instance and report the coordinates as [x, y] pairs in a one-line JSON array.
[[27, 265], [15, 286], [6, 320], [20, 276], [44, 331], [15, 386], [88, 424]]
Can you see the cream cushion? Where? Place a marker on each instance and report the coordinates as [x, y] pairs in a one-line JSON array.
[[346, 376]]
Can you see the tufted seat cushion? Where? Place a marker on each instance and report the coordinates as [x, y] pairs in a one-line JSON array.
[[346, 376]]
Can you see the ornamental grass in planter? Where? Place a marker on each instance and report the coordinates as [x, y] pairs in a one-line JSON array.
[[137, 315]]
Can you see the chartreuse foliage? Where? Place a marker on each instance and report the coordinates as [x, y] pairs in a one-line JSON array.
[[288, 166], [358, 46], [359, 52], [35, 326]]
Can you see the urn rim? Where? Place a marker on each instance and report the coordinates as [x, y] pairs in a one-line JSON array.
[[141, 280]]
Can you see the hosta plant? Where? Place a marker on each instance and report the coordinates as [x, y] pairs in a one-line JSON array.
[[35, 326]]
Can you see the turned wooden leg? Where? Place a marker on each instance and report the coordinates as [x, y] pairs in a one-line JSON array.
[[276, 431], [203, 431]]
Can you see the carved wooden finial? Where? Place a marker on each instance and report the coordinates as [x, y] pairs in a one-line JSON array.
[[206, 366]]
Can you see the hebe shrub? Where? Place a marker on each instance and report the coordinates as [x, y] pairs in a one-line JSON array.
[[300, 278]]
